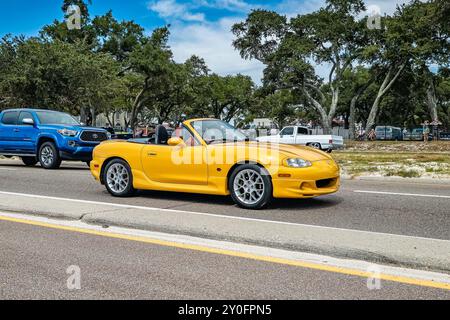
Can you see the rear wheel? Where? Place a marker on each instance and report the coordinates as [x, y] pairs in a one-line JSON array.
[[118, 178], [315, 145], [49, 156], [250, 187], [29, 161]]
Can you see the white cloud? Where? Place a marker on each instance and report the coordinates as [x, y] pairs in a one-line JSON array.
[[230, 5], [192, 33], [170, 9], [213, 42]]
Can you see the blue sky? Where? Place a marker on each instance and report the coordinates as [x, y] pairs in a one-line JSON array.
[[200, 27]]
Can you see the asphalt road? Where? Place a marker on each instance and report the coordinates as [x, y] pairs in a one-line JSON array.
[[35, 259], [406, 214]]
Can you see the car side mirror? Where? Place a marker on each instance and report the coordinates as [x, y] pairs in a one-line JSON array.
[[173, 142], [28, 121]]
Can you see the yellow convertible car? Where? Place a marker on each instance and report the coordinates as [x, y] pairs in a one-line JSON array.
[[210, 156]]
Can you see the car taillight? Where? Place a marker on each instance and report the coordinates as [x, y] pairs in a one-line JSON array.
[[330, 141]]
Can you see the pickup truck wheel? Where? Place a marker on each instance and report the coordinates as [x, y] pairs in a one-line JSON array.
[[29, 161], [250, 187], [49, 156], [119, 178], [315, 145]]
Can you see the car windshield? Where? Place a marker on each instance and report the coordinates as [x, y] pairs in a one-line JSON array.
[[46, 117], [216, 131]]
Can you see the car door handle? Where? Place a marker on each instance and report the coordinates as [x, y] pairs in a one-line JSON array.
[[16, 130], [152, 154]]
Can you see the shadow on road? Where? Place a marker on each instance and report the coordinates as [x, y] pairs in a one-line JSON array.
[[64, 166], [277, 204]]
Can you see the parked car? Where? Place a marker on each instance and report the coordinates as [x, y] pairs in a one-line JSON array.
[[47, 137], [444, 136], [209, 156], [416, 134], [302, 136], [388, 133]]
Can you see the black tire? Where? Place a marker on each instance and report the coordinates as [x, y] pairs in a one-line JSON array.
[[108, 172], [315, 145], [267, 194], [49, 156], [29, 161]]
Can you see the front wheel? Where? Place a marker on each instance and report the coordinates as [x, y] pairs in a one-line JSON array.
[[29, 161], [118, 178], [49, 156], [250, 187]]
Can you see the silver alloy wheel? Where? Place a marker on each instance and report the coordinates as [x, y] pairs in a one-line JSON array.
[[117, 178], [47, 155], [315, 145], [249, 186]]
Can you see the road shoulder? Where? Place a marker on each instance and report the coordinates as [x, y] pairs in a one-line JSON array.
[[406, 251]]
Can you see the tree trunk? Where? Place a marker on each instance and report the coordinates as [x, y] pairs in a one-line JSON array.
[[384, 88], [325, 118], [83, 115], [431, 101], [137, 104], [373, 114], [93, 115], [111, 122], [352, 126], [327, 126]]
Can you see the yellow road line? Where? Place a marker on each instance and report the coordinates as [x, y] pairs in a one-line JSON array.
[[303, 264]]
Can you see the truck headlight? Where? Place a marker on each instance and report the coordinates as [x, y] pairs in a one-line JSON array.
[[297, 163], [68, 133]]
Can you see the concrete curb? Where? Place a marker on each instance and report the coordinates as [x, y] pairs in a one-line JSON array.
[[415, 252]]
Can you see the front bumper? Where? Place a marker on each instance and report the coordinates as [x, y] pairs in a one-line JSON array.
[[95, 167], [73, 149], [323, 177], [79, 155]]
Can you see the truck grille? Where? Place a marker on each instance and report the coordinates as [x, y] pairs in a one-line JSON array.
[[93, 136]]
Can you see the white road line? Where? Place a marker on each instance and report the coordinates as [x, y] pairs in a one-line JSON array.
[[127, 206], [403, 194], [8, 169], [246, 249]]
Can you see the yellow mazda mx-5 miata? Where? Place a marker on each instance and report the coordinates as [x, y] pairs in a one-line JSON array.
[[210, 156]]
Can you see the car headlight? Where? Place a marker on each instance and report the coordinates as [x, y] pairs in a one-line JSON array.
[[68, 133], [297, 163]]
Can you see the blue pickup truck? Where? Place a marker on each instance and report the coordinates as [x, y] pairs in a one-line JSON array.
[[47, 137]]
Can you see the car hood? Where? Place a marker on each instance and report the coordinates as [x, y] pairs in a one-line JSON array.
[[285, 150]]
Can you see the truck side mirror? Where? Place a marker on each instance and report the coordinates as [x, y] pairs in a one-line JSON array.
[[28, 121]]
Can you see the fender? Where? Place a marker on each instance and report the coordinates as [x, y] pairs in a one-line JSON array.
[[45, 135]]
